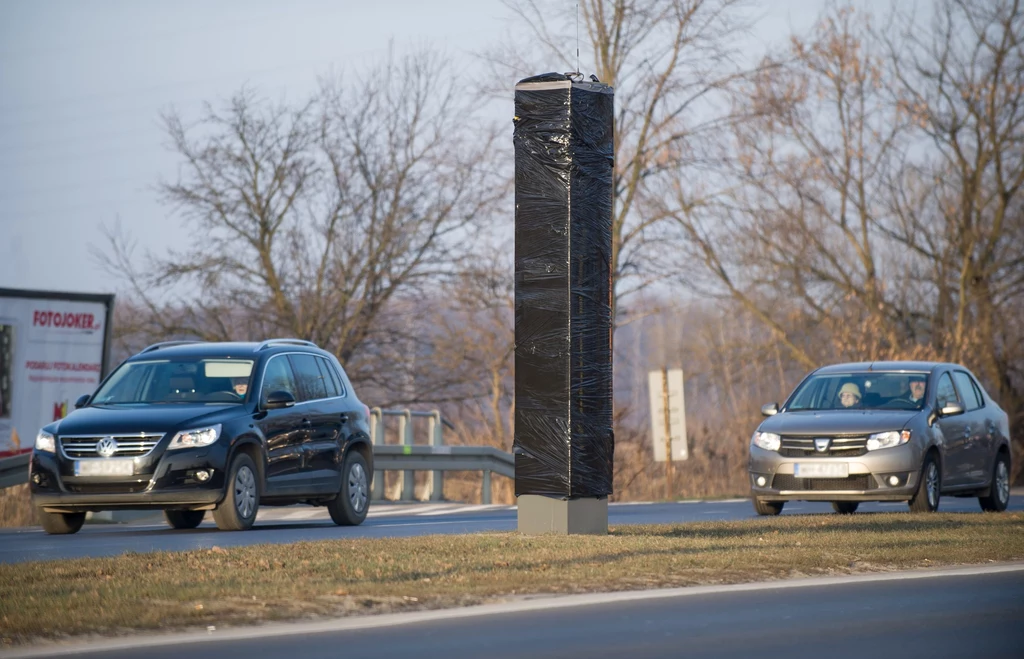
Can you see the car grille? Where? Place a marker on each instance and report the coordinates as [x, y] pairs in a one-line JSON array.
[[128, 446], [839, 447], [790, 482], [107, 488]]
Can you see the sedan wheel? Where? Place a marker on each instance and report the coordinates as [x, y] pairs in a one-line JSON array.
[[998, 497], [926, 499]]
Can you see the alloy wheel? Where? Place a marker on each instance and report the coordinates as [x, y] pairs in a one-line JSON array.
[[932, 485], [1002, 483], [245, 491], [357, 487]]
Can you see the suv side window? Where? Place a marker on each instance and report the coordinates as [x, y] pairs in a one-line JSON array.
[[330, 379], [310, 379], [278, 377], [945, 393], [967, 390]]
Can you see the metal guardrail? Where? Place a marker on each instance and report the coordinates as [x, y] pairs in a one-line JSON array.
[[443, 458], [434, 457], [14, 470]]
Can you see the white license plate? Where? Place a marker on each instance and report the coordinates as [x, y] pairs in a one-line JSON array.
[[821, 470], [107, 467]]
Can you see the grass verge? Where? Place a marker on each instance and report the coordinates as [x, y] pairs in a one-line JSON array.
[[247, 585]]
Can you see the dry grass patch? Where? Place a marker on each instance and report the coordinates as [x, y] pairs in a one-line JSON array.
[[247, 585]]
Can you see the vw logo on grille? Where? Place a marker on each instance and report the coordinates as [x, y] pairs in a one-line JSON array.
[[106, 447], [821, 444]]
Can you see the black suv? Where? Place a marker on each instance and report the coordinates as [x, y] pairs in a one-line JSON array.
[[187, 427]]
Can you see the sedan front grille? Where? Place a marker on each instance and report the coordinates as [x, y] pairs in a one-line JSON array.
[[790, 482], [128, 446], [839, 447]]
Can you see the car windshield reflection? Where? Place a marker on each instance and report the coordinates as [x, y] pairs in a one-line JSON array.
[[876, 390]]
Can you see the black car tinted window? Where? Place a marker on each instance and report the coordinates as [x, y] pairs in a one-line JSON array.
[[330, 382], [278, 377], [310, 380], [967, 390], [945, 393]]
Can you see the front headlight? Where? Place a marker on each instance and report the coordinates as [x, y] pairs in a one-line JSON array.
[[769, 441], [888, 439], [194, 438], [45, 442]]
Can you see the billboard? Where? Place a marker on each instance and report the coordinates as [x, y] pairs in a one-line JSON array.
[[53, 349]]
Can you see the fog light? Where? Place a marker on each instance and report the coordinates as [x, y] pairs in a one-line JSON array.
[[36, 479], [761, 482], [203, 475], [894, 481]]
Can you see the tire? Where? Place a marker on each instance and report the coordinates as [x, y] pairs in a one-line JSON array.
[[349, 508], [998, 497], [845, 507], [238, 510], [926, 499], [60, 523], [184, 519], [768, 507]]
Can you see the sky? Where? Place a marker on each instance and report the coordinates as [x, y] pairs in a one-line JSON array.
[[83, 84]]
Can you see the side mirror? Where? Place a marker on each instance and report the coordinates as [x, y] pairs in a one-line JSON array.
[[82, 400], [951, 409], [279, 399], [771, 409]]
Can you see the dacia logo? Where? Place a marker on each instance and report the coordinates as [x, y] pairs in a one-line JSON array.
[[821, 444], [106, 447]]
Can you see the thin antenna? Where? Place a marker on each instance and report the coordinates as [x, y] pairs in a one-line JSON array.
[[577, 37]]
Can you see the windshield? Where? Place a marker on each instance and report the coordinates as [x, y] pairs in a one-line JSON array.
[[179, 381], [861, 391]]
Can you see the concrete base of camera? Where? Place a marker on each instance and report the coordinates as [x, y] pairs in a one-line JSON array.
[[540, 515]]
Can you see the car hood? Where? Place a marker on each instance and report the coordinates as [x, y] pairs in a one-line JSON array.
[[125, 419], [835, 422]]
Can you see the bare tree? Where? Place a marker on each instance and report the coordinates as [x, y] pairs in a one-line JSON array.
[[670, 62], [962, 83], [324, 220]]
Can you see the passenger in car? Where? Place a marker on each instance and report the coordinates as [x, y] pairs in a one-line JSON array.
[[849, 395]]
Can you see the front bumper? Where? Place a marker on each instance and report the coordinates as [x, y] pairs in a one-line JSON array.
[[161, 480], [869, 476]]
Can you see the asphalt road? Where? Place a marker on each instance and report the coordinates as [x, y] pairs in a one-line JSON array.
[[967, 615], [297, 524]]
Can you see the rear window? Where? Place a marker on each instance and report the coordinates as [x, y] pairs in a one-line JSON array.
[[310, 379], [968, 390]]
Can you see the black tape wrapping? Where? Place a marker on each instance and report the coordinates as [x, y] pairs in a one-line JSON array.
[[564, 443]]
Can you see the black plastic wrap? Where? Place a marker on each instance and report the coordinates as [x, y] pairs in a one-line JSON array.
[[564, 444]]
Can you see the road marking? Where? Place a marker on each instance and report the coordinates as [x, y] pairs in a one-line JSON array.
[[529, 603]]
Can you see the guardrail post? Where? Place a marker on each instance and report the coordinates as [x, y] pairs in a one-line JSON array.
[[407, 477], [377, 437], [485, 495], [436, 439]]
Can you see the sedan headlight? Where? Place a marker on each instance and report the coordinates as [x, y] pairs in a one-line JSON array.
[[194, 438], [887, 439], [45, 442], [769, 441]]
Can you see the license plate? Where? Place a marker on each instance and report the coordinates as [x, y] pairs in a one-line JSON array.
[[822, 470], [108, 467]]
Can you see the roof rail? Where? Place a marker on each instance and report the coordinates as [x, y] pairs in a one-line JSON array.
[[167, 344], [294, 342]]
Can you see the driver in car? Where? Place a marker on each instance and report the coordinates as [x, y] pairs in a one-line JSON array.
[[240, 386]]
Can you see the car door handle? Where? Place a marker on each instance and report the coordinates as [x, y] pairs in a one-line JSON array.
[[343, 417], [306, 423]]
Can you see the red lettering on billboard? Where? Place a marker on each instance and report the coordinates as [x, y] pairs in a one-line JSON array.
[[65, 320]]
